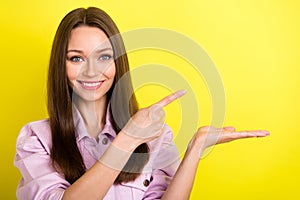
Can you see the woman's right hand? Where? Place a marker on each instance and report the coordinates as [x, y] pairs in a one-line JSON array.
[[147, 123]]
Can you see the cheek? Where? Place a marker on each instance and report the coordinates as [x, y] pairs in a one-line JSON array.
[[111, 72], [72, 73]]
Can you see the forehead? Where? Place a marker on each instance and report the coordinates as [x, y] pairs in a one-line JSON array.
[[88, 39]]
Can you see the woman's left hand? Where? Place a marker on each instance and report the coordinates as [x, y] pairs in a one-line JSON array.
[[208, 136]]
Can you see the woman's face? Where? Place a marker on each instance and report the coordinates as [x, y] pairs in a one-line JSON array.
[[90, 65]]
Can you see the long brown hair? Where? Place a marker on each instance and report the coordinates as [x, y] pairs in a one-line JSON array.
[[64, 152]]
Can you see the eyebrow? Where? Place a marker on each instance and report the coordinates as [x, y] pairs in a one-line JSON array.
[[98, 51]]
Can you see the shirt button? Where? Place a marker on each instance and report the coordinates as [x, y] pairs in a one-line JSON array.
[[104, 141], [146, 183]]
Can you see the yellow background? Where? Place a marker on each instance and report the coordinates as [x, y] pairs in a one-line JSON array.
[[255, 46]]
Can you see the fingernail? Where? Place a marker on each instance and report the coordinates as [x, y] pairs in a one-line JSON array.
[[266, 132], [180, 93]]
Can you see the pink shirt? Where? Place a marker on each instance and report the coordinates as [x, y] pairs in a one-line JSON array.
[[41, 181]]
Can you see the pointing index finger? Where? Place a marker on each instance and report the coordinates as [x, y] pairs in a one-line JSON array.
[[169, 99]]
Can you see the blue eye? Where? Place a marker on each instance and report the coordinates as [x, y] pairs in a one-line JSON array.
[[105, 57], [76, 59]]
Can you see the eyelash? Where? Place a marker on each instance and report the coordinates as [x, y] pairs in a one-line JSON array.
[[76, 59], [72, 59], [108, 57]]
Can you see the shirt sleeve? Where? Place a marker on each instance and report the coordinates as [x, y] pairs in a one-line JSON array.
[[165, 165], [39, 180]]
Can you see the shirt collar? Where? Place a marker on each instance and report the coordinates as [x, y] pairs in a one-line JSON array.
[[80, 129]]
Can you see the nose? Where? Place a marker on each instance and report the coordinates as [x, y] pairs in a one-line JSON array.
[[89, 69]]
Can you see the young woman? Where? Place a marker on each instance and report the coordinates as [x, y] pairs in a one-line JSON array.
[[96, 144]]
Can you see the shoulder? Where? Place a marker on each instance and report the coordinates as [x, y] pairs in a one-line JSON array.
[[167, 133], [164, 155], [165, 138], [35, 134]]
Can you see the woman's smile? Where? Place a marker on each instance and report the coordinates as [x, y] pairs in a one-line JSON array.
[[90, 85]]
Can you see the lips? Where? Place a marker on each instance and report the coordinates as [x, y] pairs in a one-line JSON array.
[[90, 85]]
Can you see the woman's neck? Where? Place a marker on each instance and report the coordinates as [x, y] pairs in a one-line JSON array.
[[93, 114]]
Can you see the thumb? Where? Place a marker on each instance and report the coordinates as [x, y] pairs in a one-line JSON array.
[[156, 113]]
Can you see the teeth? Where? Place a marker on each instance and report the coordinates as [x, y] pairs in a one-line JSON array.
[[91, 84]]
